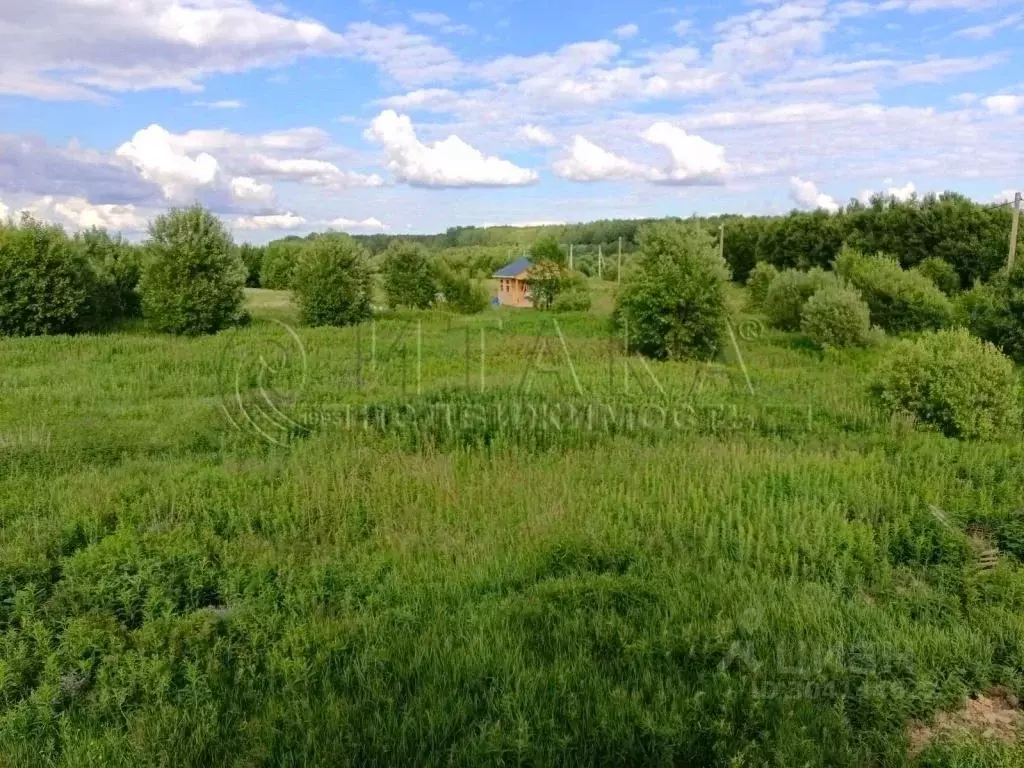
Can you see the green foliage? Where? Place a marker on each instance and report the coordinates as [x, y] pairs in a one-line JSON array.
[[409, 279], [332, 282], [950, 227], [547, 249], [742, 235], [192, 279], [941, 273], [575, 297], [759, 281], [787, 294], [252, 258], [117, 268], [900, 300], [837, 317], [277, 271], [46, 285], [949, 379], [545, 281], [461, 293], [672, 305], [995, 312], [801, 240]]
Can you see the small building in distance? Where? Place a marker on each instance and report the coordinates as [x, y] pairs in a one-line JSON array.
[[512, 288]]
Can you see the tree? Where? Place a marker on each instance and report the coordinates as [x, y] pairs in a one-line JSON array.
[[672, 305], [117, 268], [192, 280], [546, 279], [252, 258], [409, 278], [278, 267], [547, 249], [333, 284], [460, 293], [45, 282]]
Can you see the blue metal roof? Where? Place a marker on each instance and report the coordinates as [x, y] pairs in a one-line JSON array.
[[515, 268]]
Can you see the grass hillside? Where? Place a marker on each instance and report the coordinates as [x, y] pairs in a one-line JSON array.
[[490, 540]]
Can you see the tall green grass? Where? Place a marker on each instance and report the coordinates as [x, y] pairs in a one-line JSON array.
[[763, 587]]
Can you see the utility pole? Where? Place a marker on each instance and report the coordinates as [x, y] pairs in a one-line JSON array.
[[570, 256], [618, 272], [721, 241], [600, 263], [1013, 232]]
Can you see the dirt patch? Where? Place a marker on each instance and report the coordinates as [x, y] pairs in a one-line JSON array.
[[993, 715]]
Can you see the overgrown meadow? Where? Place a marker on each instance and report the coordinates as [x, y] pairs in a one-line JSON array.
[[494, 539]]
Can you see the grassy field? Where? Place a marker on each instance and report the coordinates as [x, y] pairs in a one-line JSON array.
[[489, 540]]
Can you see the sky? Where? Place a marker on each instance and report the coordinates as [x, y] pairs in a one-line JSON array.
[[380, 116]]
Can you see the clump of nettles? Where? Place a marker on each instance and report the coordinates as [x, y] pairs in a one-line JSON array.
[[953, 381], [760, 280], [837, 317], [787, 294]]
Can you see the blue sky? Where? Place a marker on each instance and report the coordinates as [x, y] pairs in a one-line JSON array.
[[385, 116]]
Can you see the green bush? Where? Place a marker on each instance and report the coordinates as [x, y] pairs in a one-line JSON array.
[[575, 297], [941, 273], [46, 285], [548, 249], [995, 312], [672, 304], [837, 317], [279, 261], [961, 385], [760, 280], [332, 283], [409, 279], [252, 258], [461, 294], [192, 279], [787, 294], [117, 268], [546, 280], [900, 301]]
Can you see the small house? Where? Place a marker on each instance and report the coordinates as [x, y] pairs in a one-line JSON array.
[[512, 288]]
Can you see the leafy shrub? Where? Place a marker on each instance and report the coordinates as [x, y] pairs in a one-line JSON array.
[[995, 312], [941, 273], [575, 297], [409, 279], [672, 304], [46, 284], [252, 258], [461, 294], [741, 238], [117, 268], [963, 386], [787, 294], [192, 279], [900, 301], [332, 282], [760, 280], [837, 317], [279, 262], [801, 240]]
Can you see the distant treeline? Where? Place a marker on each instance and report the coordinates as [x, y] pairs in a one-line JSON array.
[[973, 238]]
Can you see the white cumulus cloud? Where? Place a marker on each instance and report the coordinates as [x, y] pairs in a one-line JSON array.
[[320, 172], [626, 31], [247, 190], [694, 160], [589, 162], [270, 221], [159, 159], [1004, 104], [79, 213], [448, 163], [536, 134], [352, 225], [806, 195]]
